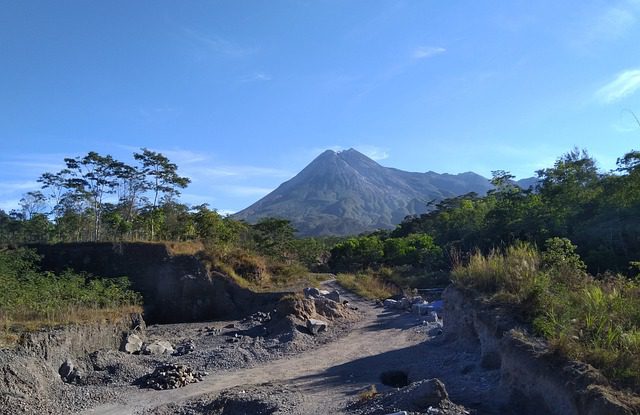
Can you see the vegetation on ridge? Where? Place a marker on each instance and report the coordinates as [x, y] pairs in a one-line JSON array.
[[31, 298], [596, 320]]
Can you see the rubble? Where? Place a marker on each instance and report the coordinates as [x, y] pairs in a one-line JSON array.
[[185, 348], [172, 376]]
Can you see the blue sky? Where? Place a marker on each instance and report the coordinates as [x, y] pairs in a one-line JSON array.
[[243, 94]]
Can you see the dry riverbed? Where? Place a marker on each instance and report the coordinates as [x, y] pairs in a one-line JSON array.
[[267, 364]]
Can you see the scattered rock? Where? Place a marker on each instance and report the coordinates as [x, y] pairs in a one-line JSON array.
[[316, 326], [172, 377], [132, 344], [158, 347], [185, 348]]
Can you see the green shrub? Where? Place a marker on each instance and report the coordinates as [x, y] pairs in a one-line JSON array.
[[593, 320]]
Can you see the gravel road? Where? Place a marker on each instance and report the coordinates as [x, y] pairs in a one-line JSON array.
[[325, 375]]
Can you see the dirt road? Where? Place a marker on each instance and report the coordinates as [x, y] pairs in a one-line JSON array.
[[325, 377]]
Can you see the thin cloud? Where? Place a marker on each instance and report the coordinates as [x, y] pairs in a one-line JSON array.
[[373, 152], [217, 44], [424, 52], [606, 24], [257, 77], [625, 84], [245, 191]]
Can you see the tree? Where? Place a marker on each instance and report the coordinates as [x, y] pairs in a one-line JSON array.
[[33, 203], [162, 178], [274, 237]]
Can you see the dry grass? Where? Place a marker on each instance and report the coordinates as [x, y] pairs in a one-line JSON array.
[[367, 285], [184, 248], [15, 323]]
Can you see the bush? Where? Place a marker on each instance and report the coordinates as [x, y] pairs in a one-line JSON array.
[[593, 320]]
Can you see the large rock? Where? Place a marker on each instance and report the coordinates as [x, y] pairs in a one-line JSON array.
[[69, 373], [316, 326], [428, 393], [132, 344], [333, 295], [158, 347]]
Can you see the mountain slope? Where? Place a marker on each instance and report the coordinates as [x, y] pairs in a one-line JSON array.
[[347, 193]]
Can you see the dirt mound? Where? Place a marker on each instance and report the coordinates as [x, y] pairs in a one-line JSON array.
[[426, 396]]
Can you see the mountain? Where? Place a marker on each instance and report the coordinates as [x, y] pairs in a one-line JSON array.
[[345, 193]]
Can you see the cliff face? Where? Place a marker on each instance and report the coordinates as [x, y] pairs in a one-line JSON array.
[[532, 379], [175, 288]]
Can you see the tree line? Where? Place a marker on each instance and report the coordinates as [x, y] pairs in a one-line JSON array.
[[597, 211], [98, 197]]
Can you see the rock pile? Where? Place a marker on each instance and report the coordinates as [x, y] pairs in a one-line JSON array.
[[313, 293], [416, 305], [171, 377]]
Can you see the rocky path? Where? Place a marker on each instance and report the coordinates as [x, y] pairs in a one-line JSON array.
[[326, 378]]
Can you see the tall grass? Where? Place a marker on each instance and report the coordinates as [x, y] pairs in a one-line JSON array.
[[593, 320], [515, 272]]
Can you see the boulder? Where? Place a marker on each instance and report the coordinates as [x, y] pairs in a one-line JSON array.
[[389, 303], [158, 347], [405, 304], [69, 373], [132, 344], [334, 296], [316, 326], [428, 393]]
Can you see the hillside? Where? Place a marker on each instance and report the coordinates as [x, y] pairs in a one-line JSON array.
[[343, 193]]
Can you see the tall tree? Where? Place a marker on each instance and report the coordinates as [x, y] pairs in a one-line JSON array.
[[162, 178]]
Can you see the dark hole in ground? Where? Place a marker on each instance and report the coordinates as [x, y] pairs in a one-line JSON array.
[[395, 378]]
